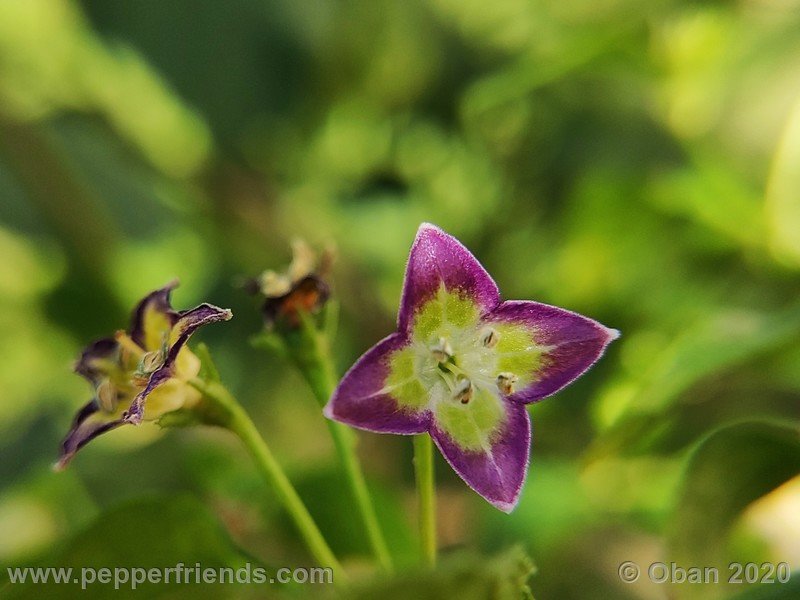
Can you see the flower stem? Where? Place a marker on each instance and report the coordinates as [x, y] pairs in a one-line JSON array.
[[423, 468], [308, 348], [231, 415]]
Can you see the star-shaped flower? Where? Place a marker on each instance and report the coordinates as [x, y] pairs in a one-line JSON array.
[[141, 374], [463, 365]]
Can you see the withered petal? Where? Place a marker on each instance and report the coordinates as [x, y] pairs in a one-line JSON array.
[[158, 301], [102, 349], [89, 422]]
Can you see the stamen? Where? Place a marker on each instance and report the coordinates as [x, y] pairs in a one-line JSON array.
[[150, 362], [506, 381], [442, 351], [126, 343], [463, 391], [107, 395], [489, 337]]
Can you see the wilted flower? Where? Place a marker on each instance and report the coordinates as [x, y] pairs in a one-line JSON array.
[[463, 365], [141, 374], [302, 287]]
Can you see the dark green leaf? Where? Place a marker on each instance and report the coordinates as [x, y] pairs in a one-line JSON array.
[[773, 591], [152, 533], [729, 469]]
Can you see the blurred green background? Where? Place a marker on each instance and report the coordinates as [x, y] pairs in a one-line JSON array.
[[636, 162]]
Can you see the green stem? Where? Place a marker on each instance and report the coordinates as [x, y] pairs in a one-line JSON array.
[[423, 468], [310, 352], [231, 414]]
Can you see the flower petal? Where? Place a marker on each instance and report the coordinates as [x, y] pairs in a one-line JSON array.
[[90, 364], [497, 468], [381, 393], [439, 260], [153, 318], [189, 321], [545, 346], [88, 423], [135, 412], [186, 324]]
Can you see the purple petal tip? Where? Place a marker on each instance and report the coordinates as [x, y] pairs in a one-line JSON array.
[[426, 226], [506, 507], [439, 261]]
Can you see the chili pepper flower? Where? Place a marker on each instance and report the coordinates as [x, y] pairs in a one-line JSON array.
[[463, 364], [141, 374], [301, 288]]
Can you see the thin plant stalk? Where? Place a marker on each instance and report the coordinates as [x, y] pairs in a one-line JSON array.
[[239, 422], [426, 494], [310, 351]]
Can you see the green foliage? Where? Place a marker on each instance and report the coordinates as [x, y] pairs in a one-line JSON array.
[[155, 532], [504, 577], [714, 345], [778, 592], [731, 468]]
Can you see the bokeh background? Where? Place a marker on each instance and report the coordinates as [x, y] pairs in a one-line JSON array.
[[636, 162]]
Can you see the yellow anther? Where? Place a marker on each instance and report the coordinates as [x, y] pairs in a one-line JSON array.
[[463, 390], [489, 337], [506, 381], [151, 361], [126, 343], [107, 395]]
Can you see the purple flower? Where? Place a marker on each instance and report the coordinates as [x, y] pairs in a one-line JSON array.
[[140, 374], [463, 365]]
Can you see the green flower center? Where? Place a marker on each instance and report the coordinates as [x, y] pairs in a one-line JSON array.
[[460, 368]]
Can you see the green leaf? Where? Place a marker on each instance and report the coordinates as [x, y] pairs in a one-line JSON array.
[[466, 577], [727, 471], [773, 591], [150, 533]]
